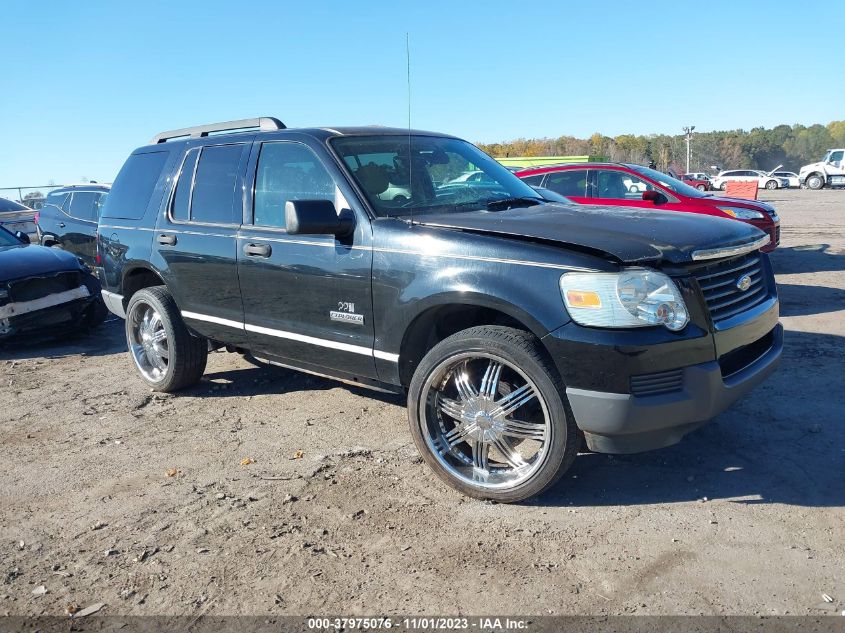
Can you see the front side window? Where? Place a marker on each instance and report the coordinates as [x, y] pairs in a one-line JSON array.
[[836, 156], [289, 171], [215, 197], [410, 175], [611, 183], [572, 183], [83, 205]]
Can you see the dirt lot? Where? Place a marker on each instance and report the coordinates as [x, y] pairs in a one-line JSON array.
[[110, 493]]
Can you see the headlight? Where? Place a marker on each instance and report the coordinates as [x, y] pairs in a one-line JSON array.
[[742, 214], [635, 297]]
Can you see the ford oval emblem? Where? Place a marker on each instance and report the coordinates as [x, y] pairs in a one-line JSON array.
[[743, 283]]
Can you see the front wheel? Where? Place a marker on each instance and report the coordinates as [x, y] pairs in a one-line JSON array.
[[815, 181], [701, 187], [166, 354], [771, 184], [488, 413], [723, 186]]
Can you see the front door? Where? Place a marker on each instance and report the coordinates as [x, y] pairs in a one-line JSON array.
[[307, 298]]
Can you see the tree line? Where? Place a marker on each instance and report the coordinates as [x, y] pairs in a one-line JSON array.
[[759, 148]]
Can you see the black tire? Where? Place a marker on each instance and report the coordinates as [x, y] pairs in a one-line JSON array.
[[701, 187], [771, 184], [187, 353], [524, 351], [814, 181], [723, 186]]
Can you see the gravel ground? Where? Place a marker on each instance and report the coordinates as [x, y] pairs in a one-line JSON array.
[[148, 503]]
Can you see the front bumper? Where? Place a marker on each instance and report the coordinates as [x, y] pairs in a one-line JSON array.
[[632, 391]]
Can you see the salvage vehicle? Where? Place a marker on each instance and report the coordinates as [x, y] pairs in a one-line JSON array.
[[611, 184], [828, 172], [695, 180], [514, 325], [69, 218], [15, 217], [44, 292], [764, 179]]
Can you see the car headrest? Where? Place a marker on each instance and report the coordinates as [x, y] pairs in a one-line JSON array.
[[373, 178]]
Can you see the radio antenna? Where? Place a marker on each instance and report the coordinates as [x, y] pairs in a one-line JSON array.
[[410, 160]]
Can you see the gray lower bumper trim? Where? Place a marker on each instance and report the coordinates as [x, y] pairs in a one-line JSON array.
[[114, 302], [622, 423]]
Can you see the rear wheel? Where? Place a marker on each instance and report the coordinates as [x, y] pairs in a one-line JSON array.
[[723, 186], [771, 184], [165, 353], [815, 181], [488, 414]]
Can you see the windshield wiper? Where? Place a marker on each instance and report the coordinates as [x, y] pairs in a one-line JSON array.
[[502, 204]]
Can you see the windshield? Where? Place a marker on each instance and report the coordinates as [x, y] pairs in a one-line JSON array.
[[670, 183], [7, 239], [11, 205], [412, 175]]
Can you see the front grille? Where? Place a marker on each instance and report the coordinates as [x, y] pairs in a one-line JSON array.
[[718, 282], [38, 287], [657, 383]]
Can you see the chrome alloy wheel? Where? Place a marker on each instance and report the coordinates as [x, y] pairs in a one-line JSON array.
[[148, 341], [485, 421]]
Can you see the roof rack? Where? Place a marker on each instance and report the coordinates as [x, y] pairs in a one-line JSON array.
[[264, 124]]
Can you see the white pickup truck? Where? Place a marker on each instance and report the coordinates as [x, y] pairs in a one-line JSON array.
[[829, 171]]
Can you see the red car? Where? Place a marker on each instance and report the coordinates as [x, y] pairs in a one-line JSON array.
[[699, 183], [617, 184]]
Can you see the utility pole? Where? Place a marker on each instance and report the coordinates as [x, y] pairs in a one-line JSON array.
[[688, 131]]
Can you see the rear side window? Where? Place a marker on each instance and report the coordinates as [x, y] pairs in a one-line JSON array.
[[83, 205], [182, 195], [134, 186], [56, 199], [214, 198]]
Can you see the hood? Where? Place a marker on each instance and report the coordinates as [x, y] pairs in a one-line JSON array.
[[744, 203], [632, 236], [818, 165], [32, 260], [772, 171]]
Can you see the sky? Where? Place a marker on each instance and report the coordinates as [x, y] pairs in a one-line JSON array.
[[83, 84]]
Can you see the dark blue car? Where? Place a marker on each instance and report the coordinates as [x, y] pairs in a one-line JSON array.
[[69, 218]]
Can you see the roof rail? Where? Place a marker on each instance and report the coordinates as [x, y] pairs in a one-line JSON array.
[[264, 124]]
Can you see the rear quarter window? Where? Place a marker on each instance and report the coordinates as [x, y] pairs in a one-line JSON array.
[[130, 194]]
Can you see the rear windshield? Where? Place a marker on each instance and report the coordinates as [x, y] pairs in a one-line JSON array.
[[11, 206], [131, 191]]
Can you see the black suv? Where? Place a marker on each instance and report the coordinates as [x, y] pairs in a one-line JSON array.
[[69, 217], [369, 255]]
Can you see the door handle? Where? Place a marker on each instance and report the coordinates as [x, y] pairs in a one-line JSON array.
[[61, 225], [258, 250], [167, 240]]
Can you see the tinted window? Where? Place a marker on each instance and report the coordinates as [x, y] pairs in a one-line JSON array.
[[834, 156], [134, 185], [82, 205], [534, 181], [288, 171], [182, 195], [568, 183], [618, 184], [214, 197]]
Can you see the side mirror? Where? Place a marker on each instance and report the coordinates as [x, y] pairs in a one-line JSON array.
[[654, 196], [316, 217], [22, 237]]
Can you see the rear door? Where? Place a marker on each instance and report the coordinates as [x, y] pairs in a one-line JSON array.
[[195, 242], [572, 183], [307, 298]]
